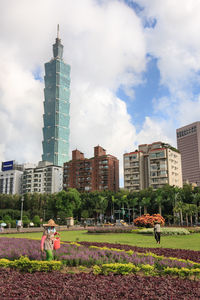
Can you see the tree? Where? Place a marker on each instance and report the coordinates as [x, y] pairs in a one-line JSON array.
[[192, 211], [179, 209], [25, 221], [145, 202], [186, 210], [36, 221], [158, 201]]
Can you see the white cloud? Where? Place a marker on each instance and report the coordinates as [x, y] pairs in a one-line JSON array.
[[105, 46], [155, 130], [174, 40]]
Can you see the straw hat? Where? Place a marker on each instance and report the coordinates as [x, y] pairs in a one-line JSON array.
[[50, 223]]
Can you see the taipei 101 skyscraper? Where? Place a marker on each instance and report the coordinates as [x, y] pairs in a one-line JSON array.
[[56, 107]]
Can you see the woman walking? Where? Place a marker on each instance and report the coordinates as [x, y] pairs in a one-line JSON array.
[[48, 238]]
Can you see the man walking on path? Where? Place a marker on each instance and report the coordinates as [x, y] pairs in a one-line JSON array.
[[157, 232]]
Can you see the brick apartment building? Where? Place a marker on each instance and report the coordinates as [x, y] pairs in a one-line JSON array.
[[98, 173]]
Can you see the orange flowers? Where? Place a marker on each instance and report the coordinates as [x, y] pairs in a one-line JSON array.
[[149, 220]]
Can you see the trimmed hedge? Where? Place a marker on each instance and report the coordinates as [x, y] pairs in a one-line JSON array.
[[24, 264], [165, 231], [126, 269]]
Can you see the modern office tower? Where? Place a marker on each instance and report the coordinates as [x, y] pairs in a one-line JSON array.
[[56, 108], [98, 173], [45, 178], [153, 165], [10, 177], [188, 143]]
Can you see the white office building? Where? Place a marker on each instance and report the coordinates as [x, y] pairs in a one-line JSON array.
[[45, 178], [10, 182]]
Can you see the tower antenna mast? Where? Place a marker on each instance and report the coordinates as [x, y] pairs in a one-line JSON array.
[[58, 31]]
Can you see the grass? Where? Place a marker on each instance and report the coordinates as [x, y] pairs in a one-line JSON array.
[[177, 242]]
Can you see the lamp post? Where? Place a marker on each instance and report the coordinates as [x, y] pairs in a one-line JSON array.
[[22, 200], [140, 210]]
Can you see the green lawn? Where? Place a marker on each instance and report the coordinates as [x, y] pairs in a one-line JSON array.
[[191, 241]]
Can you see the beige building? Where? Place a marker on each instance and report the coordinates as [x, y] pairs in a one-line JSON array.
[[153, 165]]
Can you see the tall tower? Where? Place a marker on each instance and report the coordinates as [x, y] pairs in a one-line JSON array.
[[56, 107]]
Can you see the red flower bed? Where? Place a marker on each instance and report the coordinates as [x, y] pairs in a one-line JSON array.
[[58, 286], [148, 221], [179, 253]]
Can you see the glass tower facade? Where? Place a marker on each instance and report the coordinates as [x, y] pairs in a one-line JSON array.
[[56, 108]]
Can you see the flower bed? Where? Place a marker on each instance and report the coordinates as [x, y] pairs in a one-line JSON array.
[[179, 253], [122, 259], [55, 285], [74, 254]]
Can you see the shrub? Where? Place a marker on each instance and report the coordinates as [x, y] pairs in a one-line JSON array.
[[114, 229], [36, 221], [166, 231], [148, 220], [116, 268], [24, 264]]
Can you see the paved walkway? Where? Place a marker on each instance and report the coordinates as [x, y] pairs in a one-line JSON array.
[[39, 229]]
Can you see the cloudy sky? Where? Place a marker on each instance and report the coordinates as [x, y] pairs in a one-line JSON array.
[[135, 72]]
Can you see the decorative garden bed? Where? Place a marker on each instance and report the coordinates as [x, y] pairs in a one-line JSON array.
[[100, 271], [58, 286]]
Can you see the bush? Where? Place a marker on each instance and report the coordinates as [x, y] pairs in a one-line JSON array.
[[116, 268], [114, 229], [166, 231], [149, 221], [36, 221], [24, 264]]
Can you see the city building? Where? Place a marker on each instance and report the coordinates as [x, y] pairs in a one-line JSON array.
[[10, 177], [98, 173], [45, 178], [188, 143], [56, 108], [153, 165]]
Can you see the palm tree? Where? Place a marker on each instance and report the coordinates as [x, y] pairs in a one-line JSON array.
[[179, 209], [158, 201], [145, 202], [186, 211], [192, 211], [132, 203], [196, 200]]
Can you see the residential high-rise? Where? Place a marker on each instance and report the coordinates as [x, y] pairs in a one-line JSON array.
[[188, 143], [98, 173], [56, 108], [153, 165]]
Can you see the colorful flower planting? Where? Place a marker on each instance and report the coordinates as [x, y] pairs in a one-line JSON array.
[[149, 221], [115, 272], [59, 286]]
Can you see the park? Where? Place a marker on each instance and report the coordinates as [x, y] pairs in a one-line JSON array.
[[91, 264]]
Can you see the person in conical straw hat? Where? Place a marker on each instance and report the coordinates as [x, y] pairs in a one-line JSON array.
[[47, 241]]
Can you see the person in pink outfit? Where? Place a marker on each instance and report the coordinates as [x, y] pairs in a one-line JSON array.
[[48, 238]]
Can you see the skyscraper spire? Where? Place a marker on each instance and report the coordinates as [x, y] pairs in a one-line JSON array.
[[58, 47], [58, 32]]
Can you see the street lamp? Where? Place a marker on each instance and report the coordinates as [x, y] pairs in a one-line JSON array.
[[22, 200]]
